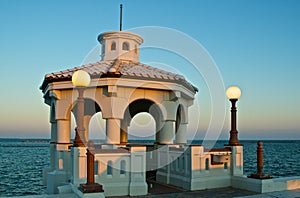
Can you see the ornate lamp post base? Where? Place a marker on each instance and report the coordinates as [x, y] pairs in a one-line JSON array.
[[91, 188]]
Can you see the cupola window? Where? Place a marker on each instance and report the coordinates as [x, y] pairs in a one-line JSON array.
[[113, 46], [125, 46]]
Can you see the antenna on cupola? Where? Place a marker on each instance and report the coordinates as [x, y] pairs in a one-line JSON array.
[[121, 6]]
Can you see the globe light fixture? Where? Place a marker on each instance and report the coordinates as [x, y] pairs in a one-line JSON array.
[[80, 79], [233, 93]]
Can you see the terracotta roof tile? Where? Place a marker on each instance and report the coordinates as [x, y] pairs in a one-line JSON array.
[[127, 69]]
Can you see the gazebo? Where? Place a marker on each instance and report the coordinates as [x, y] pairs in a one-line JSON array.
[[121, 87]]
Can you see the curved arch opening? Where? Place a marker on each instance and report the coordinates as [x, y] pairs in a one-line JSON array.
[[142, 126], [97, 127], [125, 46], [92, 118], [113, 46], [146, 126]]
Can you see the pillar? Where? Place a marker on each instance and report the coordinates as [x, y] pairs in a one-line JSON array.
[[61, 174], [236, 162], [52, 143], [180, 137], [167, 133], [63, 131], [124, 130], [52, 152], [112, 131], [138, 185]]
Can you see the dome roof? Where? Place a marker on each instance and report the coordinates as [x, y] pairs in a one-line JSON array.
[[119, 69]]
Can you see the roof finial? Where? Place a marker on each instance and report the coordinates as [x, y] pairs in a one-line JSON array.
[[121, 6]]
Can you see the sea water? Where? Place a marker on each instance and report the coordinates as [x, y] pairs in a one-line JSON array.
[[22, 162]]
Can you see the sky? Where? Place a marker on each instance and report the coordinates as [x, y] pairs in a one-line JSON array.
[[254, 44]]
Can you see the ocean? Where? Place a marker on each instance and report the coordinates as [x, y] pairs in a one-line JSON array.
[[22, 162]]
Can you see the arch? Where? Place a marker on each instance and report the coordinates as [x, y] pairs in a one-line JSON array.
[[97, 126], [142, 125], [139, 106], [91, 107], [125, 46], [143, 105], [113, 46]]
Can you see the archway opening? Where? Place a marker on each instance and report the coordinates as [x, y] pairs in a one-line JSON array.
[[97, 128], [142, 127], [92, 120], [146, 123]]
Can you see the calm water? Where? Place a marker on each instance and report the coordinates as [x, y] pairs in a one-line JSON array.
[[22, 162]]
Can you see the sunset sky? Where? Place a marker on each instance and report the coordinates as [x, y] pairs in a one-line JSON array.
[[255, 45]]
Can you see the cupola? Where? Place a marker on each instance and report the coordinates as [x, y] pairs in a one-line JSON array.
[[120, 45]]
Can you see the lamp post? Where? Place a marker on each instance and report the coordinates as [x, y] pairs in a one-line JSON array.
[[233, 93], [80, 79]]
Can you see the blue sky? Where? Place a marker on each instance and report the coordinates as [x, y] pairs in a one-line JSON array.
[[255, 44]]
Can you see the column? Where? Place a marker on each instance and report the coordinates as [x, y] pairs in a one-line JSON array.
[[124, 130], [62, 144], [52, 152], [52, 143], [167, 133], [112, 131], [181, 134], [61, 174]]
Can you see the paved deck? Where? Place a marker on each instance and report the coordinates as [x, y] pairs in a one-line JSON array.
[[215, 193], [166, 191]]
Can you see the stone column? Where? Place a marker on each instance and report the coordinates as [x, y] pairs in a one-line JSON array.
[[61, 174], [181, 134], [63, 131], [124, 130], [167, 133], [52, 152], [52, 143], [62, 145], [112, 131]]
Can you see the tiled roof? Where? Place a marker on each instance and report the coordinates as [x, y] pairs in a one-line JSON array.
[[119, 68]]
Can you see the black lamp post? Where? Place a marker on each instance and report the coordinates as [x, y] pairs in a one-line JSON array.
[[81, 79], [233, 93]]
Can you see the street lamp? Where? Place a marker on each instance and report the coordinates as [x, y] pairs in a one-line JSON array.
[[233, 93], [80, 79]]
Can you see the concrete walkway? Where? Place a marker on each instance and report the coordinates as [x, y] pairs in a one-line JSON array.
[[216, 193]]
